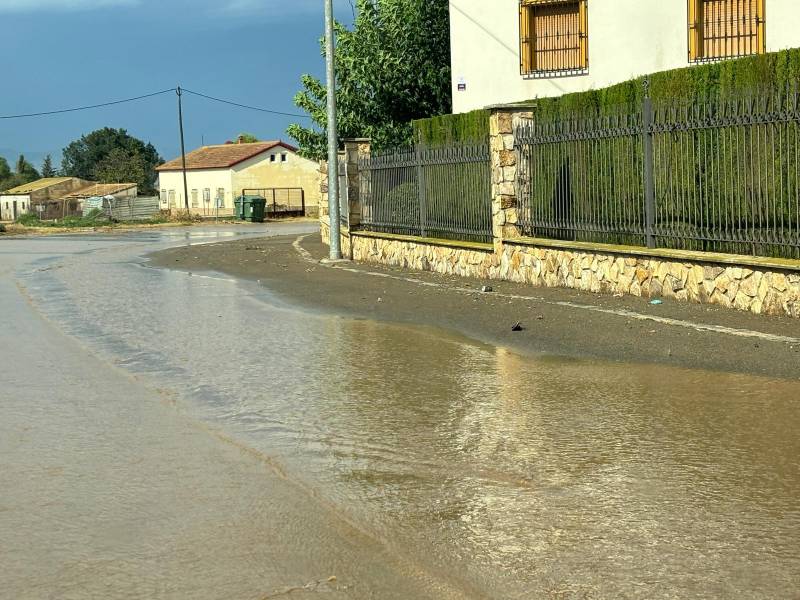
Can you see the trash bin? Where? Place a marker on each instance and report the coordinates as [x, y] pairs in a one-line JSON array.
[[251, 208]]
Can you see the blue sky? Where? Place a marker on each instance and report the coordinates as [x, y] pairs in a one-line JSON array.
[[65, 53]]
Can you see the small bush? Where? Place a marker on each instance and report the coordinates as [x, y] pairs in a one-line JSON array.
[[29, 220]]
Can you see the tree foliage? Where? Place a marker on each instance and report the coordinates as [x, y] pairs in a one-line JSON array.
[[393, 66], [47, 167], [92, 154], [247, 138], [120, 166], [24, 173]]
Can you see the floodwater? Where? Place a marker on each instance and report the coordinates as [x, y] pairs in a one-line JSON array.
[[470, 470]]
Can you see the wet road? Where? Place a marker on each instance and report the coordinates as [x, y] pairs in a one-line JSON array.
[[173, 435]]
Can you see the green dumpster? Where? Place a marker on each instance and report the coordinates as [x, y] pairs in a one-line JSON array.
[[251, 208]]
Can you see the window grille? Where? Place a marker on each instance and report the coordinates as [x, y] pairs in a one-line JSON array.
[[553, 37], [195, 202], [721, 29]]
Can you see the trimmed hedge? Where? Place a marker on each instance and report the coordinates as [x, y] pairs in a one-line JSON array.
[[445, 130], [724, 79]]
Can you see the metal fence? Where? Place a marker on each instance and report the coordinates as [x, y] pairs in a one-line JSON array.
[[288, 201], [428, 192], [717, 175], [134, 208]]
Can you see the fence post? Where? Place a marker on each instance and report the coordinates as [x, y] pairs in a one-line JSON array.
[[649, 167], [422, 192]]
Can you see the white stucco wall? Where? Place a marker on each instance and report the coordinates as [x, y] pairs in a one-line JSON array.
[[212, 179], [7, 206], [627, 38]]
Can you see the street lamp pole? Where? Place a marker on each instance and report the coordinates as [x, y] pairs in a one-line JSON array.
[[333, 140]]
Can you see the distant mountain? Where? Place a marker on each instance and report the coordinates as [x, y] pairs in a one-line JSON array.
[[35, 158]]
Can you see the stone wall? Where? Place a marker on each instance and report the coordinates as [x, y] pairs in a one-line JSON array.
[[761, 290], [447, 260]]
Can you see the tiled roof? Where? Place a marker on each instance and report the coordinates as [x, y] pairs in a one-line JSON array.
[[35, 186], [222, 157], [100, 189]]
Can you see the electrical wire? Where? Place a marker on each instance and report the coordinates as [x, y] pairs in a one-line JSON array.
[[265, 110], [80, 108], [145, 96]]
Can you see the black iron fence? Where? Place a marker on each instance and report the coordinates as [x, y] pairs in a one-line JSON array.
[[721, 175], [428, 192], [286, 201]]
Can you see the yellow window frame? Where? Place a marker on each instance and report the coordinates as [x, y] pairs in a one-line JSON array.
[[527, 36], [697, 32]]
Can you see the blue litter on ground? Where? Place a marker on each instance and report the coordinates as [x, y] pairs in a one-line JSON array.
[[656, 302]]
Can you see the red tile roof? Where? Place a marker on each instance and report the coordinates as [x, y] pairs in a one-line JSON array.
[[222, 157]]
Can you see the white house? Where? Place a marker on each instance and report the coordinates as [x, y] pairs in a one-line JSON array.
[[507, 51], [217, 175]]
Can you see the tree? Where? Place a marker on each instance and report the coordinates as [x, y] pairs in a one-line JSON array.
[[247, 138], [5, 170], [26, 169], [83, 157], [24, 173], [121, 167], [47, 167], [392, 67], [5, 175]]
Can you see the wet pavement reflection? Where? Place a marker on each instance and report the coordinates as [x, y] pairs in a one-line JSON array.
[[523, 476]]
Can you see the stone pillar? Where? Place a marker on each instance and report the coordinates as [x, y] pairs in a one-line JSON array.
[[324, 223], [354, 150], [505, 195]]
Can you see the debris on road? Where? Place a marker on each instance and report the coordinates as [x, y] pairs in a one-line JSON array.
[[656, 302], [517, 327], [486, 289]]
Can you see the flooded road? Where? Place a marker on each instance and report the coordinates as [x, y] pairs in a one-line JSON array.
[[435, 466]]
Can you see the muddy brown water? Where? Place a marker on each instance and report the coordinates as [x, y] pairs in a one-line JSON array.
[[507, 476]]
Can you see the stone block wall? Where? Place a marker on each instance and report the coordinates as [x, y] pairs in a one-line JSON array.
[[759, 290], [446, 260]]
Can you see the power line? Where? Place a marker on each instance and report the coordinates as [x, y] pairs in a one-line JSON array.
[[93, 106], [145, 96], [265, 110]]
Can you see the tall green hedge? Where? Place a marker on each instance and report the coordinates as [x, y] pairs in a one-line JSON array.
[[715, 80], [452, 129]]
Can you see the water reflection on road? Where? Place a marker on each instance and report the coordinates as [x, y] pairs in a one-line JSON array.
[[524, 476]]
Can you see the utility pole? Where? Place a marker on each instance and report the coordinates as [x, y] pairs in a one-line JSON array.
[[183, 150], [333, 140]]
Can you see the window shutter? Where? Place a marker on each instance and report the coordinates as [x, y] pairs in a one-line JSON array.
[[761, 24], [695, 29], [584, 34], [525, 39]]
